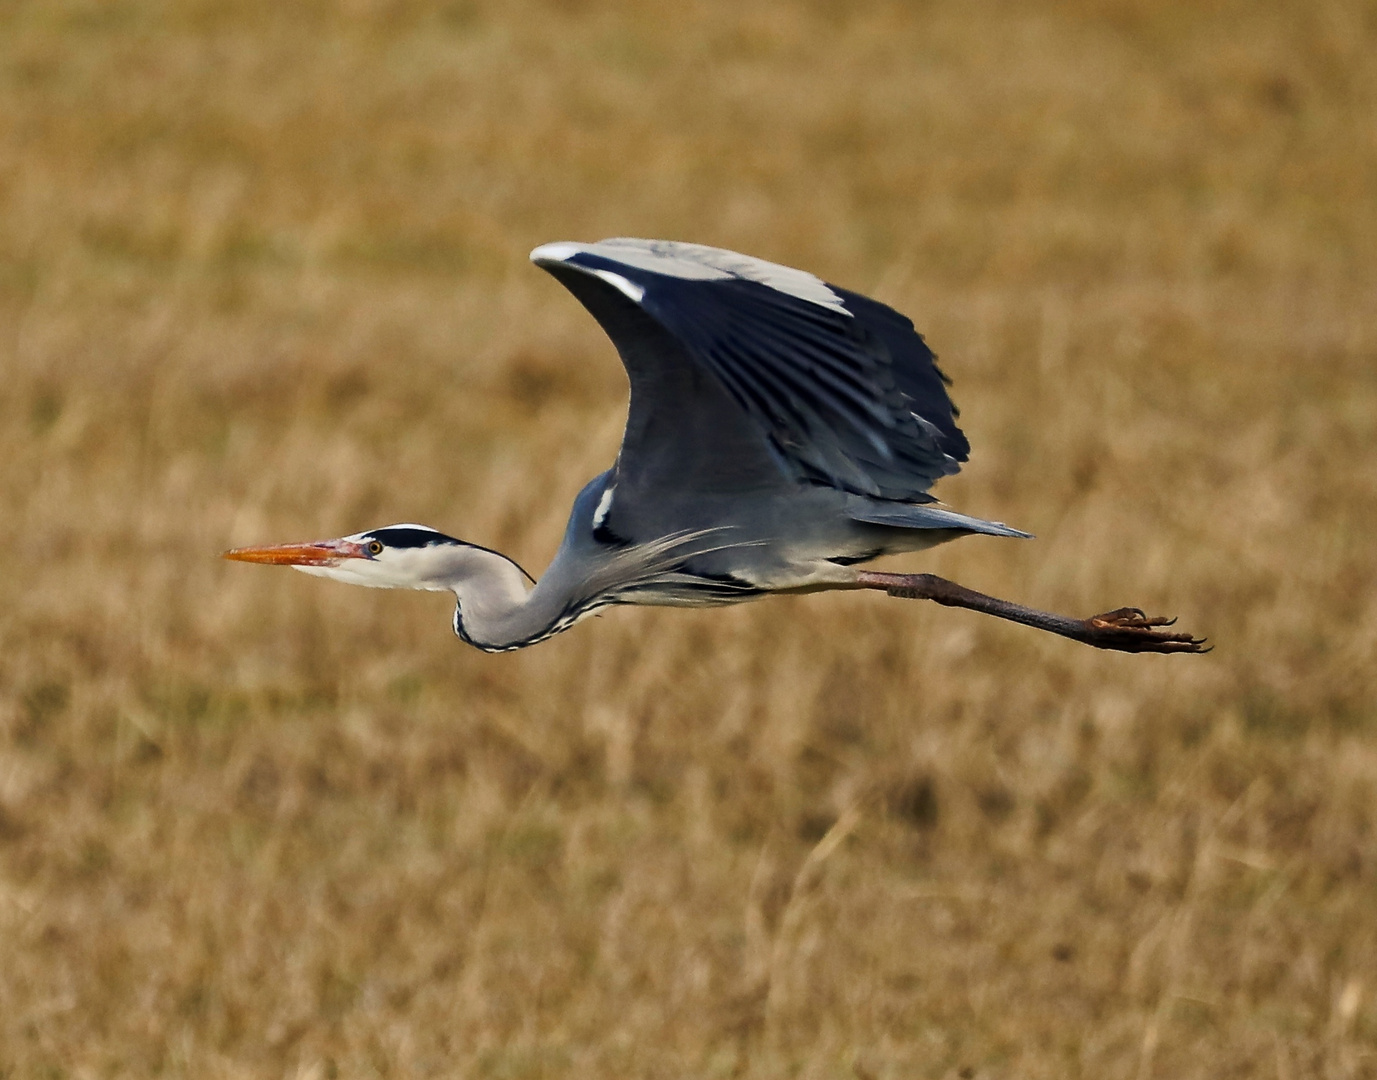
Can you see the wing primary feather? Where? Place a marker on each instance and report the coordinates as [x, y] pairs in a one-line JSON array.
[[826, 364], [796, 382], [796, 402]]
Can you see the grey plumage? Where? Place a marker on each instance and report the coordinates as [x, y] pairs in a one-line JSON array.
[[780, 431]]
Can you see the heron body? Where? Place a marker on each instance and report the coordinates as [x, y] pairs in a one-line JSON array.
[[781, 431]]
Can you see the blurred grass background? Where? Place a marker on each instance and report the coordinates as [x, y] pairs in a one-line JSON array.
[[263, 278]]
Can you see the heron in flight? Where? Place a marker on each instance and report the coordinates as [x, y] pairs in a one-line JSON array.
[[781, 432]]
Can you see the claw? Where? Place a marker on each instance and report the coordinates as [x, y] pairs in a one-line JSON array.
[[1131, 630], [1119, 615]]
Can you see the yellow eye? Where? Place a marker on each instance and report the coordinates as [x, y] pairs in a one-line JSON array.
[[375, 547]]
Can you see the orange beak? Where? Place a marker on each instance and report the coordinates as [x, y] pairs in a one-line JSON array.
[[320, 553]]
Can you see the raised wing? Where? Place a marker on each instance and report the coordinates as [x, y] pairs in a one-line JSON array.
[[745, 373]]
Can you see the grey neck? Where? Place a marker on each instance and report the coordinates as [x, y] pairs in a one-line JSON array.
[[497, 607]]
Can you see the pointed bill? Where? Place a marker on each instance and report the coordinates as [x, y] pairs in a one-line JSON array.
[[319, 553]]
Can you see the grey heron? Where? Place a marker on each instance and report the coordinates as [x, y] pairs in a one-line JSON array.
[[781, 431]]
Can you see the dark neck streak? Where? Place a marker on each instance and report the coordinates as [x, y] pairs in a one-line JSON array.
[[502, 615]]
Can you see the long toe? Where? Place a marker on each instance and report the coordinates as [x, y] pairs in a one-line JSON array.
[[1130, 617], [1120, 615], [1131, 630]]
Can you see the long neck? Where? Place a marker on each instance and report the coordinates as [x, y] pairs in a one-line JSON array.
[[498, 608]]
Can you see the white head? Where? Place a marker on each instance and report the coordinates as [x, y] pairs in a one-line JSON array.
[[403, 556]]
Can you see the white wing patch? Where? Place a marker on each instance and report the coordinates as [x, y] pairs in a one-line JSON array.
[[692, 262], [604, 505], [622, 285]]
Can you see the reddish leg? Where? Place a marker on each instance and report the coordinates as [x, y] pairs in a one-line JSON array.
[[1124, 629]]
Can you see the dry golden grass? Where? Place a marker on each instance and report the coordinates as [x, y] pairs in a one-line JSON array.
[[262, 277]]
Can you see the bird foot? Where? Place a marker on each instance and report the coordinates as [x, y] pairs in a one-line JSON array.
[[1130, 629]]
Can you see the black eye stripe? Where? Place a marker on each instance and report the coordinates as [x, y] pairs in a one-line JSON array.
[[409, 538], [403, 536]]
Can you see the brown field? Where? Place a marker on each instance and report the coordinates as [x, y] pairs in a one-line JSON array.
[[263, 277]]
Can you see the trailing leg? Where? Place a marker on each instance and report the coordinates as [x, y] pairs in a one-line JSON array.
[[1124, 629]]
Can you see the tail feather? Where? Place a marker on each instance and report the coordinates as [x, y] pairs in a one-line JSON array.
[[908, 516]]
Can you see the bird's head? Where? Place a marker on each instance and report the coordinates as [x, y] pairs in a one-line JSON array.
[[394, 557]]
